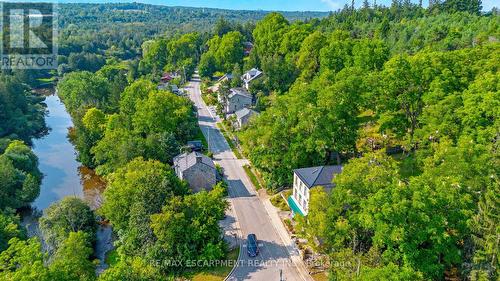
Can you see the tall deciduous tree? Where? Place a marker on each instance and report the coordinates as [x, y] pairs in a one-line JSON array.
[[19, 176], [69, 215], [134, 193]]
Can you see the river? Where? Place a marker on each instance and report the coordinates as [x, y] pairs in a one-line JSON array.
[[64, 175]]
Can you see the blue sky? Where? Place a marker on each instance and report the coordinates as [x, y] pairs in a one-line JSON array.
[[273, 5]]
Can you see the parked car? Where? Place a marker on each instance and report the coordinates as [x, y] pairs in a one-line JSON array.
[[252, 248]]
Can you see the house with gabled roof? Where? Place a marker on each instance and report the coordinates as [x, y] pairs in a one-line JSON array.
[[197, 169], [250, 76], [243, 116], [306, 178], [238, 98], [247, 48]]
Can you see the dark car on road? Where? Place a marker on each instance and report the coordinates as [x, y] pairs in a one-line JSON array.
[[252, 248]]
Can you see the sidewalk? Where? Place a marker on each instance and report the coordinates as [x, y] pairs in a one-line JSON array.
[[285, 237]]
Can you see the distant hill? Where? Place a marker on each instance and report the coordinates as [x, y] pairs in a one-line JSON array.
[[119, 29], [180, 18]]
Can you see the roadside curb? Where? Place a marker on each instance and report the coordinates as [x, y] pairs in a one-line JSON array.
[[239, 234], [229, 197], [236, 265], [304, 275]]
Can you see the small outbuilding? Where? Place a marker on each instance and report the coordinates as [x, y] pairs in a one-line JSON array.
[[243, 116]]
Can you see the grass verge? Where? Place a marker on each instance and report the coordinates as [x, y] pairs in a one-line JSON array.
[[320, 276], [201, 136], [252, 177], [216, 273], [229, 141]]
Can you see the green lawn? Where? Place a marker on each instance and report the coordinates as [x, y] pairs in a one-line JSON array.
[[46, 80], [216, 273], [408, 165], [321, 276]]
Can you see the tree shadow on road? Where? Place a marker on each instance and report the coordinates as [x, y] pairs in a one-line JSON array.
[[206, 119], [238, 189]]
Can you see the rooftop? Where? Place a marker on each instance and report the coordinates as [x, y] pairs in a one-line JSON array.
[[229, 76], [318, 176], [251, 74], [187, 160], [244, 112], [239, 92]]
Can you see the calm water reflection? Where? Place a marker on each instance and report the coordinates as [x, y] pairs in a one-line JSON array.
[[64, 176], [57, 158]]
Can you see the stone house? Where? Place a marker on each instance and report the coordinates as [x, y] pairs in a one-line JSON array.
[[197, 170], [237, 99]]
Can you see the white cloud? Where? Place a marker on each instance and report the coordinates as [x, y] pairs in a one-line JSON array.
[[334, 5]]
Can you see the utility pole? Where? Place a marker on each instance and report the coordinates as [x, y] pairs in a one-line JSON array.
[[208, 141], [281, 275], [184, 70]]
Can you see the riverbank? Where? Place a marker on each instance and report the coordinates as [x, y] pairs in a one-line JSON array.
[[64, 175]]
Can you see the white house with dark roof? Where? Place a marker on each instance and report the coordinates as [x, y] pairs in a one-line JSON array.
[[197, 169], [243, 117], [237, 99], [250, 76], [306, 178]]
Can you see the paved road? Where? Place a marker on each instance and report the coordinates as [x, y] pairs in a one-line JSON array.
[[249, 211]]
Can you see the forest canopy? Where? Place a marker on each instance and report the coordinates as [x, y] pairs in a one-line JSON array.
[[405, 98]]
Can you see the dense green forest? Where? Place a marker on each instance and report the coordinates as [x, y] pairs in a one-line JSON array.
[[89, 34], [406, 98], [124, 27], [21, 119], [408, 101]]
